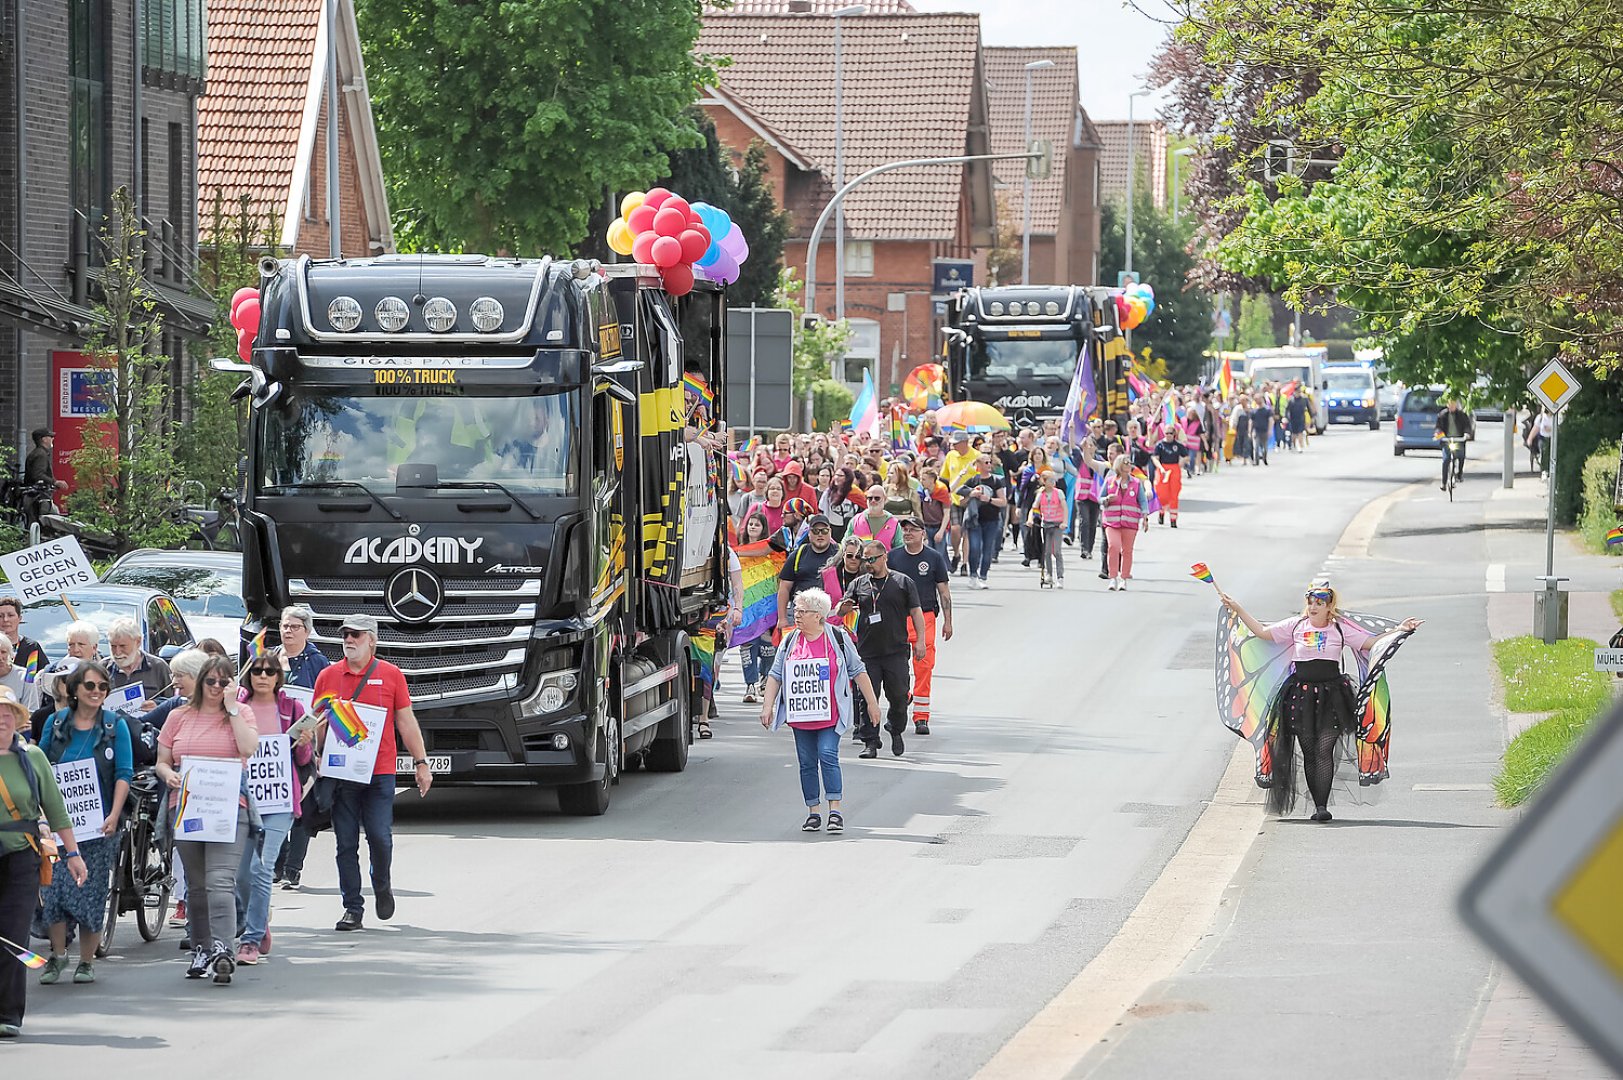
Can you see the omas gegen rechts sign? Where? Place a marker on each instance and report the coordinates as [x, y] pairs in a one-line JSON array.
[[48, 569]]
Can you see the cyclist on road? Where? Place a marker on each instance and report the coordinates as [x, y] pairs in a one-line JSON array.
[[1454, 423]]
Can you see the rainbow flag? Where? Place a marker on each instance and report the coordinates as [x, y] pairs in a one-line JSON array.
[[702, 650], [27, 957], [344, 719], [1155, 498], [1169, 415], [1612, 538], [183, 799], [1203, 572], [693, 385], [759, 567], [256, 647], [741, 474], [1225, 380], [750, 447], [31, 672]]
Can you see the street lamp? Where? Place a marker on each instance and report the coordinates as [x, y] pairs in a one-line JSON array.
[[1025, 199], [1177, 188], [839, 157], [1132, 163]]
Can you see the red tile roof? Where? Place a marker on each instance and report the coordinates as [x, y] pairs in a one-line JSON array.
[[1054, 108], [260, 55], [910, 84], [818, 7]]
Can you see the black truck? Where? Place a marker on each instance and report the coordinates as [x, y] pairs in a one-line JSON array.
[[1016, 347], [491, 457]]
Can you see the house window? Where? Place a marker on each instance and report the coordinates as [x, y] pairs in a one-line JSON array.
[[87, 115], [859, 258], [174, 52], [862, 352]]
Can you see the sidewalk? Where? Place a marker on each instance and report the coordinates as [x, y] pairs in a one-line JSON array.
[[1337, 951]]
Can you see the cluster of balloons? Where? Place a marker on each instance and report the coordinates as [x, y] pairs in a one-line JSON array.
[[1133, 305], [662, 228], [245, 317]]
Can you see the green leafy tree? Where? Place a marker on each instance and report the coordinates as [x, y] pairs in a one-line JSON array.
[[816, 347], [1254, 329], [1180, 330], [503, 125]]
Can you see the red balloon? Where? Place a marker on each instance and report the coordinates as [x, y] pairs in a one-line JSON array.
[[678, 279], [695, 242], [246, 316], [642, 248], [245, 342], [240, 295], [669, 222], [641, 219], [656, 197], [676, 202], [667, 252]]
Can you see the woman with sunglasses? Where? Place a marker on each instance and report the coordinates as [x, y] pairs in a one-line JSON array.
[[1315, 706], [85, 730], [212, 725], [265, 695]]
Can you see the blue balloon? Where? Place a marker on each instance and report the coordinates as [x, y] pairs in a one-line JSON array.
[[711, 254]]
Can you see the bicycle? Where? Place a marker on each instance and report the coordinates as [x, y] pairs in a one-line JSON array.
[[1455, 447], [143, 877]]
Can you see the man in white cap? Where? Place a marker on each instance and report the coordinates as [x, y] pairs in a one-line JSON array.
[[365, 679]]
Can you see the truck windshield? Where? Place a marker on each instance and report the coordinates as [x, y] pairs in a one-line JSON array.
[[1282, 373], [1349, 380], [521, 441], [1024, 358]]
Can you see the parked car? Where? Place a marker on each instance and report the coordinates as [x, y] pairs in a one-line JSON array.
[[1481, 408], [1390, 396], [164, 631], [207, 586]]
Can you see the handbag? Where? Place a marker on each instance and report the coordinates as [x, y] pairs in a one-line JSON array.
[[37, 833]]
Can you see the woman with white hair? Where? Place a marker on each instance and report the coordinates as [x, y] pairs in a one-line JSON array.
[[15, 678], [816, 666], [84, 640]]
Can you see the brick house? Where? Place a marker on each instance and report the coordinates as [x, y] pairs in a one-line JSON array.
[[1065, 206], [90, 101], [914, 87], [262, 128], [1150, 150]]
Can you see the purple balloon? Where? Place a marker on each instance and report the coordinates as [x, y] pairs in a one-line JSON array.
[[725, 268]]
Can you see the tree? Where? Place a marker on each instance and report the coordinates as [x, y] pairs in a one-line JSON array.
[[1180, 330], [815, 347], [1254, 329], [503, 125], [1003, 257]]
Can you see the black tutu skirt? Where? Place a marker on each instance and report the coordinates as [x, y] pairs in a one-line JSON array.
[[1313, 710]]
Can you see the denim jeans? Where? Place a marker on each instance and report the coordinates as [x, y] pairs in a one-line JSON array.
[[984, 538], [254, 877], [291, 861], [819, 747], [370, 807], [757, 655]]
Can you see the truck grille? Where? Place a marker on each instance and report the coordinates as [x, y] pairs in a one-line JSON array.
[[472, 650]]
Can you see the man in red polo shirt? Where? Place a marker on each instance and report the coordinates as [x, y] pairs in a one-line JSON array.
[[364, 678]]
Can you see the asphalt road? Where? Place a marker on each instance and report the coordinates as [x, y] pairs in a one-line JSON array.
[[695, 932]]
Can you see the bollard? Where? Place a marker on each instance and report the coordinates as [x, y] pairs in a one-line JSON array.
[[1550, 610]]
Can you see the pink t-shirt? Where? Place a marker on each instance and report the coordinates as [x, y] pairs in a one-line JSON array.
[[1308, 642], [188, 733], [821, 649]]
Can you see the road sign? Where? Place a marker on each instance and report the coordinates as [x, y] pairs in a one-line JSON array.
[[48, 569], [1547, 899], [1609, 659], [1554, 385], [760, 355]]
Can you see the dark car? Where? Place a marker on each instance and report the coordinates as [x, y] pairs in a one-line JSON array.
[[207, 585], [164, 631]]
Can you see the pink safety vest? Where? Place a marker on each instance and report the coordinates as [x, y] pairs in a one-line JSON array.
[[1120, 504], [887, 534]]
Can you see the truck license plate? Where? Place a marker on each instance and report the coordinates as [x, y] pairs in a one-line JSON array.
[[438, 764]]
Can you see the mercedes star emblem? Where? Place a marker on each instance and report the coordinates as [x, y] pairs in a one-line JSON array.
[[414, 595]]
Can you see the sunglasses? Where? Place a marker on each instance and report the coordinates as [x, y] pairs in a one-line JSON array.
[[353, 633], [222, 683], [872, 558], [95, 687], [269, 673]]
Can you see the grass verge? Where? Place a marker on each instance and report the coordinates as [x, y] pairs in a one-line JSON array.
[[1617, 603], [1555, 678]]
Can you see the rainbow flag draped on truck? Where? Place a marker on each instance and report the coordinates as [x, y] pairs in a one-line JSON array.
[[759, 567]]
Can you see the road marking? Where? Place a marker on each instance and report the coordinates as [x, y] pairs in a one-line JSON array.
[[1496, 577], [1452, 787], [1169, 922], [1360, 531]]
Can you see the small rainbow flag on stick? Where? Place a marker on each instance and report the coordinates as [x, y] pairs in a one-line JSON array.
[[29, 958], [1613, 538], [256, 647], [1203, 572], [345, 719], [31, 672]]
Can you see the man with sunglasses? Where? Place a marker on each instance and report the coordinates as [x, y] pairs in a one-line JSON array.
[[804, 567], [886, 605], [364, 678], [927, 568]]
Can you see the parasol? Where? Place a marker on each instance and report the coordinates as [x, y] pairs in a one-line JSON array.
[[972, 415], [925, 387]]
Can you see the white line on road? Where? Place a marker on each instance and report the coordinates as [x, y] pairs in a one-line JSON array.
[[1496, 577], [1452, 787]]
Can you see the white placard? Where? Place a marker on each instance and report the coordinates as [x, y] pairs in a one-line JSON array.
[[355, 763], [302, 694], [700, 512], [806, 693], [81, 791], [127, 699], [48, 569], [270, 775], [210, 790]]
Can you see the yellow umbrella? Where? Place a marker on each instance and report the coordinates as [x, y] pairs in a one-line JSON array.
[[972, 416]]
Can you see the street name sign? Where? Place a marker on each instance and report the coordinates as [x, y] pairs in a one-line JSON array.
[[1554, 385], [48, 569], [1547, 899]]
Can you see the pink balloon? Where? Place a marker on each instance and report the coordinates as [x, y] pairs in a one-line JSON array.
[[666, 252], [247, 315], [676, 202], [245, 343], [669, 222], [678, 279], [240, 295], [641, 219], [695, 242], [656, 197], [642, 248]]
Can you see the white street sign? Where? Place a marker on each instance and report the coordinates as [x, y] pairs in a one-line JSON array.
[[1547, 900], [1554, 385], [1609, 659], [48, 569]]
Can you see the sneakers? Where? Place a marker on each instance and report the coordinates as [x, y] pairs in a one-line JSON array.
[[199, 965], [1121, 584], [813, 823], [84, 973], [52, 970], [223, 964], [179, 916], [291, 883], [749, 694], [869, 752], [836, 823], [248, 954], [350, 921]]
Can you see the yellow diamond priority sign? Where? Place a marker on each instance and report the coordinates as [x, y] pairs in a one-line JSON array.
[[1554, 385], [1549, 900]]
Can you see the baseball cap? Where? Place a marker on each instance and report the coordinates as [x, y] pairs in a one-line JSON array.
[[42, 433], [364, 623], [818, 519], [913, 520], [960, 436]]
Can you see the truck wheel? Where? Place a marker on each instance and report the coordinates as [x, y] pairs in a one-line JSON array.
[[592, 799], [669, 752]]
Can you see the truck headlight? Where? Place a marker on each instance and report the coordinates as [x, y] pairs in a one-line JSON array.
[[551, 698], [392, 313], [344, 313], [440, 314], [486, 313]]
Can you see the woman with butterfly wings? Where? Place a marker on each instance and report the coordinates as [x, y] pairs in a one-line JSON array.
[[1283, 686]]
